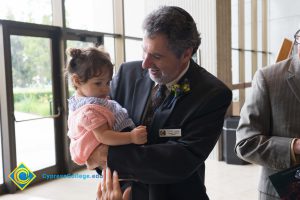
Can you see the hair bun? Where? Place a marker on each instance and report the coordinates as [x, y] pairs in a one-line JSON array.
[[74, 52]]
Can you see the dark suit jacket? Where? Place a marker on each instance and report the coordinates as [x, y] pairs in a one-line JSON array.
[[170, 168]]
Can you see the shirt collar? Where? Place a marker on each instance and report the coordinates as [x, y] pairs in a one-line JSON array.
[[169, 85]]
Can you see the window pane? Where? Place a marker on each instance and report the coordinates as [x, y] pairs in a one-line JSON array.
[[235, 73], [133, 20], [78, 44], [92, 15], [133, 49], [248, 27], [248, 66], [33, 97], [27, 11], [109, 45], [234, 24]]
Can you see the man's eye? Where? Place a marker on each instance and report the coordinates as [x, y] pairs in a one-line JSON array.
[[98, 83], [156, 56]]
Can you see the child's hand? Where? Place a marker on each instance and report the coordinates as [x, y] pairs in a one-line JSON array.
[[139, 135]]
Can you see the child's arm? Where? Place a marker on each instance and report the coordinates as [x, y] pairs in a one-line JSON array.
[[109, 137]]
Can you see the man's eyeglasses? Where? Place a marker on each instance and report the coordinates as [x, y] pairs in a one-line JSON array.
[[297, 37]]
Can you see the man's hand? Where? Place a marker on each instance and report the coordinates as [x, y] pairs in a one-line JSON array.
[[98, 158], [139, 135]]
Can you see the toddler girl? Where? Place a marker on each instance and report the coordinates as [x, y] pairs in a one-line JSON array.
[[93, 118]]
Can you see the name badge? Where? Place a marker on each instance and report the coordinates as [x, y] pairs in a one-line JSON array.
[[169, 132]]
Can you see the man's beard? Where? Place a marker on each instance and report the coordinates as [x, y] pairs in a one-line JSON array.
[[160, 80]]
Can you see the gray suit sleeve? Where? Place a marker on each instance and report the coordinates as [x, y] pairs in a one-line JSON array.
[[255, 141]]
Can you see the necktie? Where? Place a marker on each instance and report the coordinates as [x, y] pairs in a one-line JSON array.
[[158, 95]]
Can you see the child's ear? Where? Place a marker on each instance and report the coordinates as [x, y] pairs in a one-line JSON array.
[[75, 80]]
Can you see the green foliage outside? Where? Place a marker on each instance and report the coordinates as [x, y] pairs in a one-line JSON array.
[[32, 82], [34, 101], [31, 61], [32, 72]]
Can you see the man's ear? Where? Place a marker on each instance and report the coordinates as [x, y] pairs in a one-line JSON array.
[[187, 54], [75, 80]]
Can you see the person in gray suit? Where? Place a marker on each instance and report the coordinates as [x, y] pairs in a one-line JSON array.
[[269, 125]]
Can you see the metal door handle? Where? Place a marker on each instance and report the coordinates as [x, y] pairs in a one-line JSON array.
[[50, 116]]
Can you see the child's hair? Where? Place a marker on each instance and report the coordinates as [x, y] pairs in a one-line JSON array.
[[89, 62]]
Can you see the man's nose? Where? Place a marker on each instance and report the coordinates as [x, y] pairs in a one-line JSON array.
[[147, 61]]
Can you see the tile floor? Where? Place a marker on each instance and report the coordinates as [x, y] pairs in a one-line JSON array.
[[223, 182], [231, 182]]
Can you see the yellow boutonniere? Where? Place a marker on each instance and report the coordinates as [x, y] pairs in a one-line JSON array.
[[180, 89]]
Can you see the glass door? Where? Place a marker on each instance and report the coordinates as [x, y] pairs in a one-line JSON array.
[[33, 121], [33, 101]]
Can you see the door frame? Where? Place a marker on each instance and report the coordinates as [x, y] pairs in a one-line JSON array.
[[9, 28]]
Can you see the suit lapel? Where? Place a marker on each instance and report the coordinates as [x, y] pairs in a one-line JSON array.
[[140, 96], [293, 77]]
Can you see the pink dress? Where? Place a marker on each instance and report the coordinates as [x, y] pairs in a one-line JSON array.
[[88, 113]]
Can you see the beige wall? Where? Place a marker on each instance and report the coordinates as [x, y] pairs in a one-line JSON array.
[[204, 13]]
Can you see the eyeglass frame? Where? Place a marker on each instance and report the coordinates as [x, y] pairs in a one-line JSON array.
[[297, 37]]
